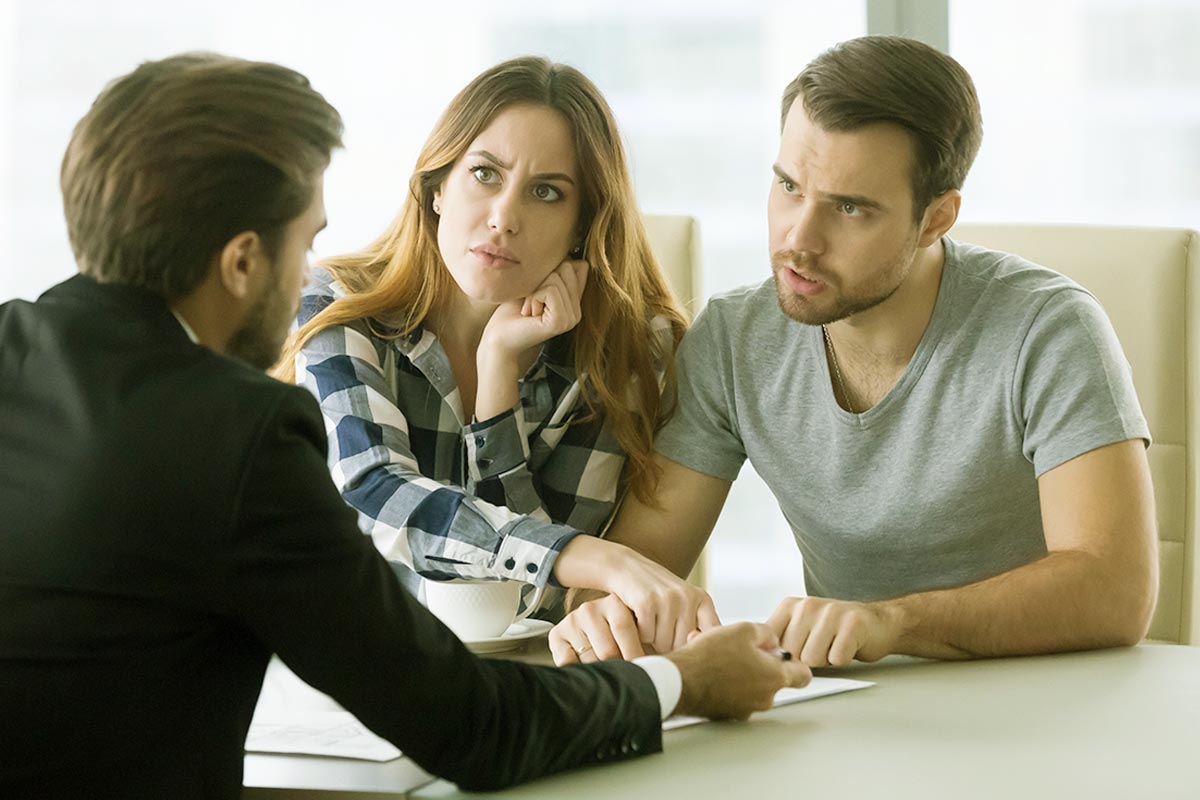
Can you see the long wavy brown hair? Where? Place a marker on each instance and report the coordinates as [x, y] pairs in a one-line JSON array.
[[400, 277]]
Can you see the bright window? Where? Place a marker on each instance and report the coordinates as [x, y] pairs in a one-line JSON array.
[[695, 87], [1091, 110]]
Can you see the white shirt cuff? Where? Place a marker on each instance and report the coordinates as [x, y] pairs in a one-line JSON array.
[[667, 681]]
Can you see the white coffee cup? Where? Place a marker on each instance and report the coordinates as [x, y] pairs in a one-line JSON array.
[[476, 609]]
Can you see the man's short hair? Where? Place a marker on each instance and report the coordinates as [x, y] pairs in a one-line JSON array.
[[179, 156], [905, 82]]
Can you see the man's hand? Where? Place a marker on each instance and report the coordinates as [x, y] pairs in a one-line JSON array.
[[823, 632], [667, 608], [732, 671]]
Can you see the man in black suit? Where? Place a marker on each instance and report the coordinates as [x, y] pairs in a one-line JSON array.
[[166, 516]]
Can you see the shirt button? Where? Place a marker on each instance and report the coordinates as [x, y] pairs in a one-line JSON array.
[[531, 568], [510, 564], [635, 746], [480, 441]]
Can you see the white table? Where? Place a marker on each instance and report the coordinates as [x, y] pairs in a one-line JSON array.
[[1109, 724]]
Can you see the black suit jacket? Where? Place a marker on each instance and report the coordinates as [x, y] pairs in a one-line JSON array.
[[167, 521]]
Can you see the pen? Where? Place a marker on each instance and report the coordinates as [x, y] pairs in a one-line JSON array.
[[784, 655]]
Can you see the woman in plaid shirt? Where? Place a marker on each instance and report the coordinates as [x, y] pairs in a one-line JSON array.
[[493, 368]]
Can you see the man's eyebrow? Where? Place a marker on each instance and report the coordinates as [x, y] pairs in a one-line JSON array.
[[542, 176], [862, 201], [853, 199]]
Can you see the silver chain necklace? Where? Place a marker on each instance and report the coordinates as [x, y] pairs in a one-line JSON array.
[[837, 371]]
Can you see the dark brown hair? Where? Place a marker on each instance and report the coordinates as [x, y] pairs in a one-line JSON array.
[[179, 156], [905, 82]]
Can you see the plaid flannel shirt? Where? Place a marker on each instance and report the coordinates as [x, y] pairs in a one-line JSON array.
[[447, 497]]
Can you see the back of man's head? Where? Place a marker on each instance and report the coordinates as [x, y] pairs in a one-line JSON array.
[[180, 155], [905, 82]]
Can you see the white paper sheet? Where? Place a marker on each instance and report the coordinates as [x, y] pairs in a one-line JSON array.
[[818, 687], [318, 733]]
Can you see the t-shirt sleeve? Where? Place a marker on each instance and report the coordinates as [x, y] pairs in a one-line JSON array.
[[703, 433], [1073, 387]]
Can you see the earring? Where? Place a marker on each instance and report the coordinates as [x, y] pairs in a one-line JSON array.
[[576, 251]]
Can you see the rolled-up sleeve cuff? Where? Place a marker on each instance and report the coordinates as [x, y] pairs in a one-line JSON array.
[[529, 549], [496, 445]]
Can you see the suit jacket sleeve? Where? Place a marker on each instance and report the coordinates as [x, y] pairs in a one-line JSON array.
[[302, 578]]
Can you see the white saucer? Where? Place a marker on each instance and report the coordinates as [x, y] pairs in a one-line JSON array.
[[512, 639]]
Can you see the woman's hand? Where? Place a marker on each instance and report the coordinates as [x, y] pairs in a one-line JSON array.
[[550, 309]]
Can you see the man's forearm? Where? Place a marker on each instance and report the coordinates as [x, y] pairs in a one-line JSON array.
[[1069, 600]]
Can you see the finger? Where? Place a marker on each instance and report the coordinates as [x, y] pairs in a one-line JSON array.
[[553, 301], [551, 281], [625, 632], [797, 673], [575, 275], [795, 635], [600, 639], [527, 307], [781, 617], [587, 654], [569, 276], [815, 652], [666, 625], [645, 625], [764, 637], [706, 615], [685, 624], [847, 642], [561, 649]]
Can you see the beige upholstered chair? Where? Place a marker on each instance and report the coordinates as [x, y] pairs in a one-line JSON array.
[[676, 243], [1148, 280]]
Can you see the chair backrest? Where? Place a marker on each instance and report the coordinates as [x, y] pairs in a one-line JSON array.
[[675, 241], [1146, 279]]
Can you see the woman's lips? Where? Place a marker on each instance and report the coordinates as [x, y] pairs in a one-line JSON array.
[[492, 256]]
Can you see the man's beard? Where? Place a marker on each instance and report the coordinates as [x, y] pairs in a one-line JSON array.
[[881, 285], [259, 340]]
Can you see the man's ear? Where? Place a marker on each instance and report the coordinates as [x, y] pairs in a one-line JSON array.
[[238, 264], [940, 216]]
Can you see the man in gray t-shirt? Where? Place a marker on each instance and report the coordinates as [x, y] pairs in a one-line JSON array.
[[951, 432]]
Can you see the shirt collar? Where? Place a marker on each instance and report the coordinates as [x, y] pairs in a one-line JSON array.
[[186, 328]]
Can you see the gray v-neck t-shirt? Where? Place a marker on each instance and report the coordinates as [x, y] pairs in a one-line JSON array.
[[1018, 371]]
